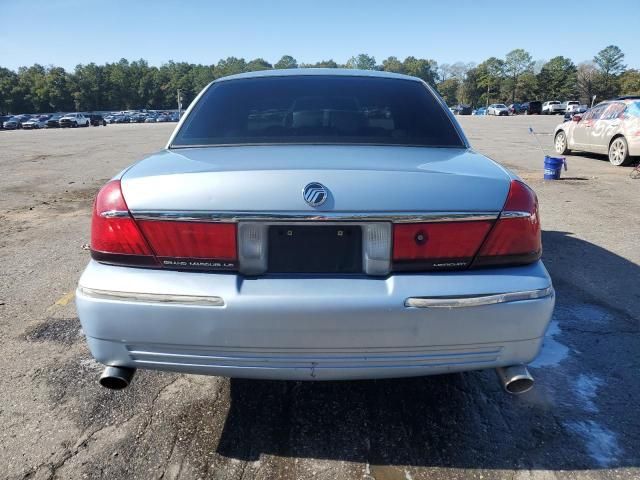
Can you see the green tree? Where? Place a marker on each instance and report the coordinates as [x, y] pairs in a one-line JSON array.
[[470, 90], [89, 87], [286, 61], [392, 64], [558, 79], [59, 87], [230, 66], [516, 63], [321, 64], [362, 62], [448, 89], [528, 89], [422, 68], [490, 75], [609, 61], [258, 64], [8, 80], [630, 82]]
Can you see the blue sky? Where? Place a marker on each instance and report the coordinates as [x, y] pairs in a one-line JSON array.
[[68, 32]]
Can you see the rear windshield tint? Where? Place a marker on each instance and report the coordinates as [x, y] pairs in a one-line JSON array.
[[318, 109]]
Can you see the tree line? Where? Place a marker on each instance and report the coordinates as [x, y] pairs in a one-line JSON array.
[[131, 85]]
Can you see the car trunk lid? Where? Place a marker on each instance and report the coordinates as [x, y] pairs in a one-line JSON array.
[[358, 178]]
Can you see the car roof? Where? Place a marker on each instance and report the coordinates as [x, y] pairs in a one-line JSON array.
[[318, 72]]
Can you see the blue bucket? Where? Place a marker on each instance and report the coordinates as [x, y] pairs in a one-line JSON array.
[[553, 166]]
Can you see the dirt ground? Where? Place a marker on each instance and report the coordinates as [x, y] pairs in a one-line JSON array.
[[579, 422]]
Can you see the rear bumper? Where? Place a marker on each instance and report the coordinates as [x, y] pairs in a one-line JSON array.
[[310, 328]]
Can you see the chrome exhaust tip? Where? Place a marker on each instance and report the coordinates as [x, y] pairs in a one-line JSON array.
[[515, 379], [116, 378]]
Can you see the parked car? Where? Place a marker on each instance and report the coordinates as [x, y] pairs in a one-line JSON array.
[[610, 128], [480, 111], [552, 107], [54, 120], [498, 109], [96, 120], [459, 109], [569, 103], [13, 123], [74, 120], [150, 119], [296, 259], [516, 109], [573, 109], [4, 118], [532, 108], [162, 118], [36, 122]]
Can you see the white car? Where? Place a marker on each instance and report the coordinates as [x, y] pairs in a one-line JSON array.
[[74, 120], [497, 109], [569, 103], [552, 107]]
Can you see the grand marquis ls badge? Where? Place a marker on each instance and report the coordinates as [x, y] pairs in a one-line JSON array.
[[315, 194]]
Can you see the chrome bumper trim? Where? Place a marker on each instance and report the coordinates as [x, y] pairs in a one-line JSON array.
[[396, 217], [152, 297], [458, 302]]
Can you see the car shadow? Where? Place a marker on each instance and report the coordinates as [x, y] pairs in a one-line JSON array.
[[586, 376], [601, 157]]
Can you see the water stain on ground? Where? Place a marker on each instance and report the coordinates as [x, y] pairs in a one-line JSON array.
[[60, 330]]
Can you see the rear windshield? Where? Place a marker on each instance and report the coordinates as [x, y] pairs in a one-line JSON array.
[[318, 109]]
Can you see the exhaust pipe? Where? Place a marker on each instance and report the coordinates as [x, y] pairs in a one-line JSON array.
[[515, 379], [116, 378]]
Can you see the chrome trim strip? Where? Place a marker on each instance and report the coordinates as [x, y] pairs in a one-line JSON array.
[[395, 217], [205, 301], [515, 214], [457, 302], [114, 214]]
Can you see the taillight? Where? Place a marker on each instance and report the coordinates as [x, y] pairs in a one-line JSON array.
[[192, 245], [513, 239], [516, 237], [115, 237], [437, 246]]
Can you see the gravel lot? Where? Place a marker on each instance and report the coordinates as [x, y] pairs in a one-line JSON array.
[[580, 421]]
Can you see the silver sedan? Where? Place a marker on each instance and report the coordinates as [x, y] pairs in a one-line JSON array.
[[611, 128], [316, 225]]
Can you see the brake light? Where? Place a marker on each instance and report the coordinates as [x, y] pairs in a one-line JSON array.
[[193, 245], [437, 246], [516, 237], [115, 237]]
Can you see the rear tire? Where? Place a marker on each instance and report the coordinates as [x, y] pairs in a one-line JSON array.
[[560, 143], [619, 152]]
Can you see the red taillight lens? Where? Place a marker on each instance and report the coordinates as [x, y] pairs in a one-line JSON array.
[[192, 244], [437, 246], [115, 238], [516, 237]]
